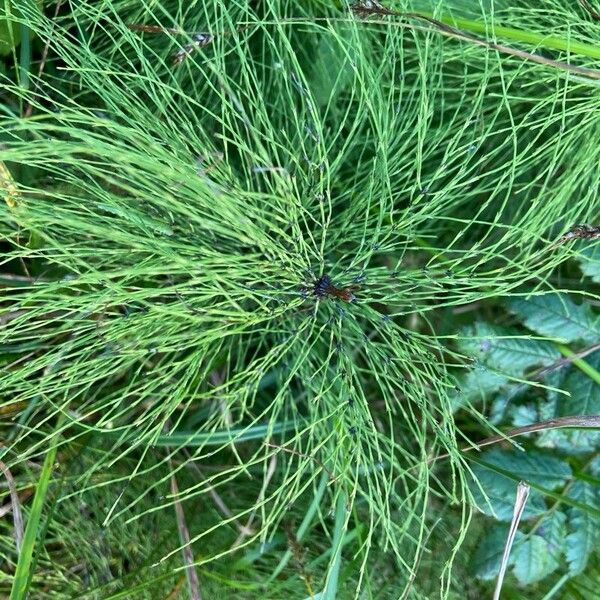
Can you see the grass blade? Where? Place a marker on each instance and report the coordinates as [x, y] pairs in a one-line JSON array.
[[20, 581], [331, 584], [580, 363]]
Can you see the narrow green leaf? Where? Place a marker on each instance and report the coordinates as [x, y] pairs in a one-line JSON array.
[[22, 573], [331, 585], [11, 31], [565, 44], [581, 364], [306, 521], [221, 436]]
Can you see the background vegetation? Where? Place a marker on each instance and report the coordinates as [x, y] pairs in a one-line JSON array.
[[175, 179]]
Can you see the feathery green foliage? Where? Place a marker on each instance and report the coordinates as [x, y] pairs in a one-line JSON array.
[[159, 315]]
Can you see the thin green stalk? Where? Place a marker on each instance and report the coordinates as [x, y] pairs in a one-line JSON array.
[[216, 438], [580, 363], [22, 574], [518, 35], [25, 56], [557, 586], [331, 585]]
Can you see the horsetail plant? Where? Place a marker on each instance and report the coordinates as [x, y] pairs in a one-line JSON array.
[[241, 270]]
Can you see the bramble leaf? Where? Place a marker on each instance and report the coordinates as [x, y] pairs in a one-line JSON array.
[[533, 561], [488, 555], [584, 527], [505, 350], [499, 490], [557, 316], [584, 400], [537, 467], [500, 353], [478, 383], [589, 260], [553, 528]]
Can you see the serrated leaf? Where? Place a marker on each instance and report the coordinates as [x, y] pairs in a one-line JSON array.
[[477, 384], [584, 400], [557, 316], [499, 408], [553, 528], [504, 350], [589, 260], [533, 561], [595, 466], [500, 353], [537, 467], [584, 528], [499, 498], [488, 556], [525, 414], [552, 438]]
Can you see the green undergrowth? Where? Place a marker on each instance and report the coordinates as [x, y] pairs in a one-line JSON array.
[[163, 229]]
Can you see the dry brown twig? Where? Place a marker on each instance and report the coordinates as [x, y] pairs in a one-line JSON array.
[[584, 421], [519, 507], [15, 506], [368, 8], [184, 534], [590, 9]]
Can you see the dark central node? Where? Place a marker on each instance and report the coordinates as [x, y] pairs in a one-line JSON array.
[[323, 286]]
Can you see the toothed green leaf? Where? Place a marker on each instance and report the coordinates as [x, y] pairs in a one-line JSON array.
[[584, 528], [589, 260], [584, 399], [547, 471], [557, 316], [533, 561], [488, 555], [506, 351]]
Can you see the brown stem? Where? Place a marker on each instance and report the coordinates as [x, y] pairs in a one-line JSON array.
[[590, 9], [374, 8], [585, 421]]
